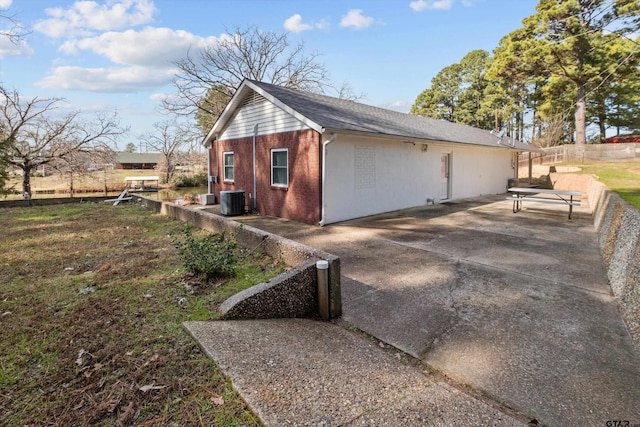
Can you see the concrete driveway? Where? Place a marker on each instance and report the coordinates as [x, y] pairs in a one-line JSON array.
[[515, 306]]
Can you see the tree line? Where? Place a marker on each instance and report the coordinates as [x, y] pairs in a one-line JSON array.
[[572, 64], [32, 134]]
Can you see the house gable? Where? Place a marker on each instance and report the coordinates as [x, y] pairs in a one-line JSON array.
[[249, 96], [257, 110]]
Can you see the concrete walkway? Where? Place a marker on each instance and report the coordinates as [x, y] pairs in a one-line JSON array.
[[300, 372], [515, 307]]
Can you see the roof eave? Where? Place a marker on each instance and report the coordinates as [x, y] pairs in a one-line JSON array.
[[226, 114], [419, 140]]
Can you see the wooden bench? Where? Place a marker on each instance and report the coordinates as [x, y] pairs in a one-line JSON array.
[[538, 195]]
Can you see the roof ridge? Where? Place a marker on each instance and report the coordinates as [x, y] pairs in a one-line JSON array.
[[368, 106], [340, 114]]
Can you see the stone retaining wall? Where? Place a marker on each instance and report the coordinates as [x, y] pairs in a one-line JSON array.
[[291, 294], [618, 226]]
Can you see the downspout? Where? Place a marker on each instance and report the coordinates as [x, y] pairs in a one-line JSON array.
[[255, 199], [324, 174], [210, 152], [216, 150]]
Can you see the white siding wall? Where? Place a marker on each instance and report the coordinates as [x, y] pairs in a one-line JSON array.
[[478, 171], [401, 175], [270, 118]]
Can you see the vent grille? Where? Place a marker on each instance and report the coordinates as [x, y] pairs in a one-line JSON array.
[[252, 99]]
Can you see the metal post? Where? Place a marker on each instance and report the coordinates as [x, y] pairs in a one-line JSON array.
[[322, 268]]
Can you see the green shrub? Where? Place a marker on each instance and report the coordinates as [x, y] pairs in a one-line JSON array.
[[197, 180], [209, 256]]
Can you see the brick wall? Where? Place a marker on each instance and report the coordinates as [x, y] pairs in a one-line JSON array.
[[301, 201]]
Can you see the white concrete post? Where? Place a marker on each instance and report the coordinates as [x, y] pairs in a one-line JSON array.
[[323, 289]]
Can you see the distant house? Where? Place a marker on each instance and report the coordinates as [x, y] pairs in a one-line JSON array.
[[623, 138], [126, 160], [319, 159]]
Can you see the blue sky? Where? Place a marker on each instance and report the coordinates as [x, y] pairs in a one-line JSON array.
[[105, 55]]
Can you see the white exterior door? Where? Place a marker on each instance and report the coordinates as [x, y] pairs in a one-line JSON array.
[[445, 174]]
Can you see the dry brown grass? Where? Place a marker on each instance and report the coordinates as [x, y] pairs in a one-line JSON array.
[[91, 303], [89, 182]]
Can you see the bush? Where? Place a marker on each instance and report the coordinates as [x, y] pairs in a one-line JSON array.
[[209, 256], [198, 180]]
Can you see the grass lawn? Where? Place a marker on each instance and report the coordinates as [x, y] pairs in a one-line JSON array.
[[92, 298], [622, 178]]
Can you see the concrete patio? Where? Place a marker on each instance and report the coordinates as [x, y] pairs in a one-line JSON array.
[[510, 315]]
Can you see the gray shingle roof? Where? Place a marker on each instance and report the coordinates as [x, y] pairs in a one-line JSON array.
[[127, 158], [340, 115]]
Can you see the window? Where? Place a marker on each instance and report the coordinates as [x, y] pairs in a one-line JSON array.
[[228, 165], [280, 167]]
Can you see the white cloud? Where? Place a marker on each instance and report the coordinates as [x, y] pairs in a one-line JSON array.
[[7, 48], [157, 47], [112, 80], [295, 25], [5, 4], [159, 97], [420, 5], [142, 60], [84, 17], [401, 106], [354, 18]]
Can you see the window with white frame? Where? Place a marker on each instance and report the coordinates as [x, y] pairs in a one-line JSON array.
[[228, 165], [280, 167]]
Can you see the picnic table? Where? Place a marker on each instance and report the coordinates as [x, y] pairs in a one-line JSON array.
[[542, 195]]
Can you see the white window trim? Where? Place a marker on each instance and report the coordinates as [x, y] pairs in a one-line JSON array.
[[224, 166], [278, 150]]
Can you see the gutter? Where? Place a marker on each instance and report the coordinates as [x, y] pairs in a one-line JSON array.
[[324, 174], [422, 140]]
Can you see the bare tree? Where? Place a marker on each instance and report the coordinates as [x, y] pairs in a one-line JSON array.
[[168, 138], [15, 32], [34, 137], [553, 132], [79, 164], [216, 72]]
